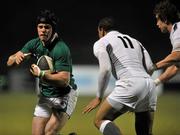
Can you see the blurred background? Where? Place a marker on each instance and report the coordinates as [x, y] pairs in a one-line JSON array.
[[78, 28]]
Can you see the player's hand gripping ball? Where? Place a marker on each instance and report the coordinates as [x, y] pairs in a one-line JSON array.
[[44, 64]]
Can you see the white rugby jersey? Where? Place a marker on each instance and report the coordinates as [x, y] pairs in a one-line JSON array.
[[175, 37], [127, 56]]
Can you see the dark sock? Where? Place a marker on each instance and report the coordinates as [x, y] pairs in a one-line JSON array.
[[111, 129], [143, 123]]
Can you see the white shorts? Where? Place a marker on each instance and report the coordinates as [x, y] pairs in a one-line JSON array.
[[137, 93], [46, 106]]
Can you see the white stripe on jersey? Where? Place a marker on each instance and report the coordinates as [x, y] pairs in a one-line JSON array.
[[125, 54]]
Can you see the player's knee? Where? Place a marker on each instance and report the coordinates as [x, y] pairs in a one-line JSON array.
[[52, 131], [97, 123]]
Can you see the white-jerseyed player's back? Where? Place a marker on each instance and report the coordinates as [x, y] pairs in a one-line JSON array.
[[126, 55]]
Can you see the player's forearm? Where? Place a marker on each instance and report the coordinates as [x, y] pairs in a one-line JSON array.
[[17, 58], [104, 73], [168, 74], [171, 59], [102, 83], [166, 63], [56, 79], [163, 64]]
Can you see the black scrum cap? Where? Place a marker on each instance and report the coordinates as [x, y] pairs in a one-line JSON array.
[[48, 17]]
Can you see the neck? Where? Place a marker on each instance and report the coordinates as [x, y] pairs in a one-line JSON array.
[[53, 37]]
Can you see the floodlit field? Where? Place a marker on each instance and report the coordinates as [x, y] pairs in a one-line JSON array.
[[16, 114]]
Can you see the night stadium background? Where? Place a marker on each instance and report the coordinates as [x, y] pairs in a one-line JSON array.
[[78, 28]]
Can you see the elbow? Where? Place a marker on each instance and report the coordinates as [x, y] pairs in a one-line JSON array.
[[108, 70], [105, 72], [175, 69], [64, 82]]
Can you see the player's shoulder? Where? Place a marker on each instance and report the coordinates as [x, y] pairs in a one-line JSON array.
[[61, 48], [104, 40], [177, 26], [61, 44], [176, 29], [34, 40], [99, 46], [100, 43]]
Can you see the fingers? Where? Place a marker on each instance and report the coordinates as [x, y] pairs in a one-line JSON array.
[[92, 105], [35, 70], [32, 67], [19, 57], [87, 109]]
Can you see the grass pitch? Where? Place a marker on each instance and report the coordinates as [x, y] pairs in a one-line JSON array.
[[16, 111]]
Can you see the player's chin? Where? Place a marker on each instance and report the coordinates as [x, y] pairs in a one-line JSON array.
[[43, 38], [164, 30]]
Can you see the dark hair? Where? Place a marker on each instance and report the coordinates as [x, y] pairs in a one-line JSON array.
[[47, 16], [167, 11], [107, 23]]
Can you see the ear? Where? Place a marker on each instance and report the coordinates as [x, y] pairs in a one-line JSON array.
[[100, 28], [166, 22], [103, 32]]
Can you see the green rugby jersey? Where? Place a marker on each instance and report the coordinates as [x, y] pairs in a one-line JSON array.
[[62, 61]]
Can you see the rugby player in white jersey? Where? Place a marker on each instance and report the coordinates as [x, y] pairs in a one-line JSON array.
[[168, 21], [134, 91]]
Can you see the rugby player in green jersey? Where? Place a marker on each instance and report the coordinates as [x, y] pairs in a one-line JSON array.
[[58, 95]]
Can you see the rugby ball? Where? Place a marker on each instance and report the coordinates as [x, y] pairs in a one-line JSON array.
[[45, 63]]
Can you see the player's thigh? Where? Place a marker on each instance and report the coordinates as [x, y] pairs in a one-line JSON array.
[[42, 114], [60, 119], [38, 125], [104, 108], [149, 102], [43, 108], [62, 108], [113, 113], [56, 122], [107, 111], [66, 103]]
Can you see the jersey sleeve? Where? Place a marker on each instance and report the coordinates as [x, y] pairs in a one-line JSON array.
[[104, 67], [28, 46], [98, 47], [175, 40], [62, 61], [148, 60]]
